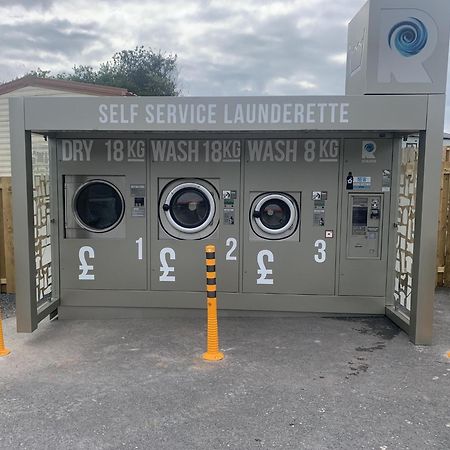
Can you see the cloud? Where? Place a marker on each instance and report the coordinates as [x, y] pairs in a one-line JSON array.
[[46, 43], [250, 47], [254, 58], [28, 4]]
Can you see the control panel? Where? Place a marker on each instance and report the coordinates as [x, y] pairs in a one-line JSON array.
[[364, 228]]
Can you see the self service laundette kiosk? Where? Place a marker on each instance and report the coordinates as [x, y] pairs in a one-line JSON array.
[[281, 212], [300, 195]]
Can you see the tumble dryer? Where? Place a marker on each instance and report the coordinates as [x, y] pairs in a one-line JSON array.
[[94, 207], [103, 244]]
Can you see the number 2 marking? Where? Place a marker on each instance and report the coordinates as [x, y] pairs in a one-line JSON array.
[[232, 243], [165, 268], [84, 266], [321, 254]]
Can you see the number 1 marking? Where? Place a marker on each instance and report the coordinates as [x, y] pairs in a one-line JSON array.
[[139, 248]]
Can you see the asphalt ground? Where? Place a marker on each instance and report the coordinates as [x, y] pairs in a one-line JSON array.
[[302, 382]]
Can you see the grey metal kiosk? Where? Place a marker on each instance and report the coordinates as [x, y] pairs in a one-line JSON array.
[[300, 195]]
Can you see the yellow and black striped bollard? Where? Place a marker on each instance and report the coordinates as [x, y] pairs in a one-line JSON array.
[[3, 350], [212, 348]]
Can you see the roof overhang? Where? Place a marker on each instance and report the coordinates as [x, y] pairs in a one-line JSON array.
[[374, 112]]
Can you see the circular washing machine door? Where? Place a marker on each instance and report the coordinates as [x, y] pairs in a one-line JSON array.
[[188, 209], [98, 206], [274, 215]]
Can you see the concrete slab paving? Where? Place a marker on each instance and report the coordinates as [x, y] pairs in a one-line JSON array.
[[302, 383]]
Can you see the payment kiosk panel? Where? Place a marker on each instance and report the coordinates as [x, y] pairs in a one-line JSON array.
[[365, 217]]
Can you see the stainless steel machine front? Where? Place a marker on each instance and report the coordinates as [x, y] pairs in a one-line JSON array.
[[94, 206]]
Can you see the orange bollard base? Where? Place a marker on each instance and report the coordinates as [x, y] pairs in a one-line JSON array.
[[213, 356], [4, 352]]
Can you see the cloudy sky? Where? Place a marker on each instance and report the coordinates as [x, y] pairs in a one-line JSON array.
[[224, 47]]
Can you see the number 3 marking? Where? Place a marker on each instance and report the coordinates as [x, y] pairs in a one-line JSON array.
[[232, 243], [321, 254]]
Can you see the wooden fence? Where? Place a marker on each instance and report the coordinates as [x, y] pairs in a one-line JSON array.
[[7, 267], [443, 251], [41, 198]]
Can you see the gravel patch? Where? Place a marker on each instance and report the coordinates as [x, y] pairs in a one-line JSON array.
[[8, 305]]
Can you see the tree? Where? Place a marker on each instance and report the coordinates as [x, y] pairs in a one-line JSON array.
[[140, 70], [40, 73]]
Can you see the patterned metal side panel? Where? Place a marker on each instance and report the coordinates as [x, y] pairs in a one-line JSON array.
[[405, 230], [41, 187]]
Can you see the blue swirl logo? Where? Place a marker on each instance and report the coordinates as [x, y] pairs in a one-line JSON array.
[[409, 37], [369, 147]]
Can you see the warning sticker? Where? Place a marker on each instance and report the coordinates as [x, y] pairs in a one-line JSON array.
[[228, 216], [386, 181]]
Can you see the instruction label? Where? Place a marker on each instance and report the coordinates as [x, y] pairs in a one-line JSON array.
[[362, 183]]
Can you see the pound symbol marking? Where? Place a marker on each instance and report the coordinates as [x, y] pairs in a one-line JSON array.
[[84, 266], [263, 271]]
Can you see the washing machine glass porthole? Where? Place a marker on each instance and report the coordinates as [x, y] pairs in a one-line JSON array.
[[98, 206], [275, 213], [189, 207]]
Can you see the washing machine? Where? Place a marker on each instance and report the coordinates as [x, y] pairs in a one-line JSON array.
[[290, 201], [274, 216], [103, 243], [196, 197], [188, 208]]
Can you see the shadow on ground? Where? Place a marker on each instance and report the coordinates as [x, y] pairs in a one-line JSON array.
[[303, 382]]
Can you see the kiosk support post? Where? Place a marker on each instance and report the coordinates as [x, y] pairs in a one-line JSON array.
[[212, 350], [23, 219], [427, 208]]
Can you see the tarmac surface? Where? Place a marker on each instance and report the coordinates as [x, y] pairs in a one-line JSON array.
[[302, 382]]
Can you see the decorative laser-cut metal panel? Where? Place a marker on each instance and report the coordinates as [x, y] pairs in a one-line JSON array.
[[405, 230], [41, 188]]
